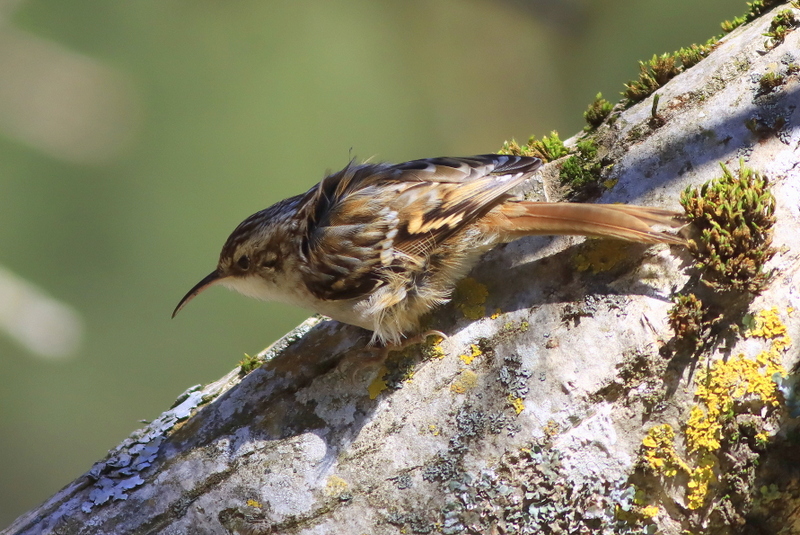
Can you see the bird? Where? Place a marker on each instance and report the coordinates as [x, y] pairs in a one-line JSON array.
[[380, 245]]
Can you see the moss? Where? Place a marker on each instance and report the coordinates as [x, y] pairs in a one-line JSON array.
[[581, 171], [734, 216], [755, 10], [782, 23], [691, 55], [691, 320], [729, 25], [653, 74], [769, 81], [547, 149], [248, 364], [598, 111]]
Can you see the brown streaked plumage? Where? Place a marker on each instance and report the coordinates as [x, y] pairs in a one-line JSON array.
[[379, 245]]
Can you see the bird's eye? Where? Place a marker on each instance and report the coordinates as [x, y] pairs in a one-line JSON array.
[[243, 262]]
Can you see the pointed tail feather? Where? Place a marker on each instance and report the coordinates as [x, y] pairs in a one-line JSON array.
[[622, 221]]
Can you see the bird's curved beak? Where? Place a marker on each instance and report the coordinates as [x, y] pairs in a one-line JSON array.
[[209, 280]]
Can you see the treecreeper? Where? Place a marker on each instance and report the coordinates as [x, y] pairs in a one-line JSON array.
[[379, 245]]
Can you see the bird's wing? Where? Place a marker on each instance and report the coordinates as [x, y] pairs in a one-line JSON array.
[[373, 219]]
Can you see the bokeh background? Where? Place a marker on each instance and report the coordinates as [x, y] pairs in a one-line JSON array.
[[134, 136]]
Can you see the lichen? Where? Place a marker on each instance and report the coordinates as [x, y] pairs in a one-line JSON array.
[[335, 486], [378, 384], [466, 380], [601, 255], [722, 390], [660, 453], [470, 297], [474, 352]]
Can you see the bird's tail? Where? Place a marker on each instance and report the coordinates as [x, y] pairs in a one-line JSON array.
[[516, 219]]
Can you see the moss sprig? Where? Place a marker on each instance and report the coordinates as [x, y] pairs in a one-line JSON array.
[[547, 149], [652, 74], [755, 10], [734, 215], [690, 320], [598, 111], [782, 23], [581, 171]]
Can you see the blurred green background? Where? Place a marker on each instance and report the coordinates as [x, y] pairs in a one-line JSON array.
[[134, 136]]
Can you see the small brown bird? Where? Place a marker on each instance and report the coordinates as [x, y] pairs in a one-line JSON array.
[[380, 245]]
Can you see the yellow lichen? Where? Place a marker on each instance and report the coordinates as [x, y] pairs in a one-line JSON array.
[[335, 486], [432, 348], [470, 298], [660, 453], [551, 428], [720, 388], [433, 430], [770, 327], [496, 314], [649, 511], [253, 503], [464, 381], [518, 404], [699, 480], [378, 384], [475, 352], [610, 183], [602, 256]]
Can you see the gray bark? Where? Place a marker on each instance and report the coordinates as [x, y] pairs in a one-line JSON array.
[[542, 431]]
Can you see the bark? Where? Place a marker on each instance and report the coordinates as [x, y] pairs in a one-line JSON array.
[[542, 410]]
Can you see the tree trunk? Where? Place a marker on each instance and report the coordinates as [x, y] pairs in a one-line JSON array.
[[561, 401]]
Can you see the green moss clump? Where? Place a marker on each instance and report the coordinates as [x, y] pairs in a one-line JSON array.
[[581, 171], [547, 149], [248, 364], [729, 25], [598, 111], [734, 216], [770, 81], [690, 56], [783, 22], [690, 320], [652, 75], [755, 10]]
